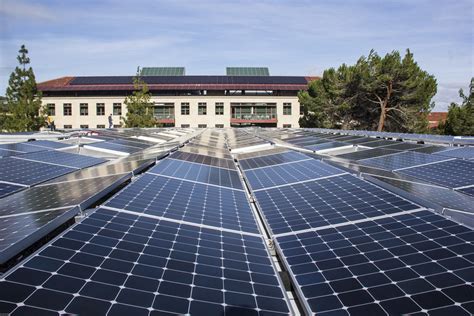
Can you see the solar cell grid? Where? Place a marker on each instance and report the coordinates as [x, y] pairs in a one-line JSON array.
[[328, 145], [270, 160], [8, 153], [468, 191], [187, 201], [378, 143], [29, 172], [49, 144], [452, 174], [198, 172], [328, 201], [462, 152], [204, 159], [22, 147], [402, 160], [276, 175], [413, 263], [116, 264], [62, 158], [7, 188], [368, 153], [112, 146]]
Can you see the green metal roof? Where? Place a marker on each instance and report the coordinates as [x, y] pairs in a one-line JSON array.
[[163, 71], [247, 71]]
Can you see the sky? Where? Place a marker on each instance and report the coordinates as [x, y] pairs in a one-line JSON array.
[[92, 37]]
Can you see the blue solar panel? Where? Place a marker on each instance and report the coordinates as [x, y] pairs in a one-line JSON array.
[[402, 160], [7, 188], [122, 264], [452, 174], [198, 172], [8, 153], [22, 147], [62, 158], [368, 153], [187, 201], [289, 173], [49, 144], [468, 191], [207, 159], [328, 145], [412, 263], [325, 202], [270, 160], [462, 152], [29, 172]]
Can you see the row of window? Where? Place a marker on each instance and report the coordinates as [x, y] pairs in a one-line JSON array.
[[117, 109], [84, 109], [182, 126]]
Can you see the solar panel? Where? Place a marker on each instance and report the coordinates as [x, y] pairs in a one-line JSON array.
[[49, 144], [271, 176], [21, 147], [402, 160], [21, 231], [269, 160], [29, 172], [217, 153], [7, 189], [462, 152], [62, 158], [198, 172], [326, 202], [163, 71], [119, 263], [369, 153], [260, 153], [378, 143], [187, 201], [204, 159], [247, 71], [468, 191], [452, 174], [429, 149], [8, 153], [412, 263], [328, 145], [404, 146]]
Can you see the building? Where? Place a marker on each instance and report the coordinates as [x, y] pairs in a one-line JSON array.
[[435, 118], [243, 97]]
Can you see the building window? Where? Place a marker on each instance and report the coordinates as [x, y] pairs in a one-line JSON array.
[[286, 108], [219, 108], [184, 125], [67, 126], [67, 109], [219, 125], [84, 109], [117, 108], [117, 126], [100, 107], [202, 125], [84, 126], [286, 125], [184, 108], [100, 126], [202, 109], [51, 109]]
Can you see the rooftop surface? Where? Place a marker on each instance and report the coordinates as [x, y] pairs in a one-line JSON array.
[[237, 221]]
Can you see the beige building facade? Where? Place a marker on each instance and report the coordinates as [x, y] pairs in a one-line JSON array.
[[186, 101]]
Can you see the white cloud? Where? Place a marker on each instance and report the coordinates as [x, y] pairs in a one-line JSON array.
[[19, 9]]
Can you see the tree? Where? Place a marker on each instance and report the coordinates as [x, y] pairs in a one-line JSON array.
[[23, 111], [139, 106], [376, 93], [399, 90], [460, 120]]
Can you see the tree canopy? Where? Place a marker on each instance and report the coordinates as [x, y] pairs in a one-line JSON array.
[[23, 110], [460, 119], [139, 106], [384, 93]]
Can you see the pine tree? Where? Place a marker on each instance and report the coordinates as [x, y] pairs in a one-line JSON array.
[[23, 111], [460, 120], [139, 106]]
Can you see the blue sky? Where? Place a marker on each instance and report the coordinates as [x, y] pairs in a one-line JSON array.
[[89, 37]]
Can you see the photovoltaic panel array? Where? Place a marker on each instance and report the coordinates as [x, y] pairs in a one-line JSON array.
[[25, 172], [8, 188], [412, 263], [204, 159], [176, 199], [402, 160], [62, 158], [324, 202], [367, 153], [327, 145], [460, 152], [116, 263], [286, 174], [270, 160], [452, 174]]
